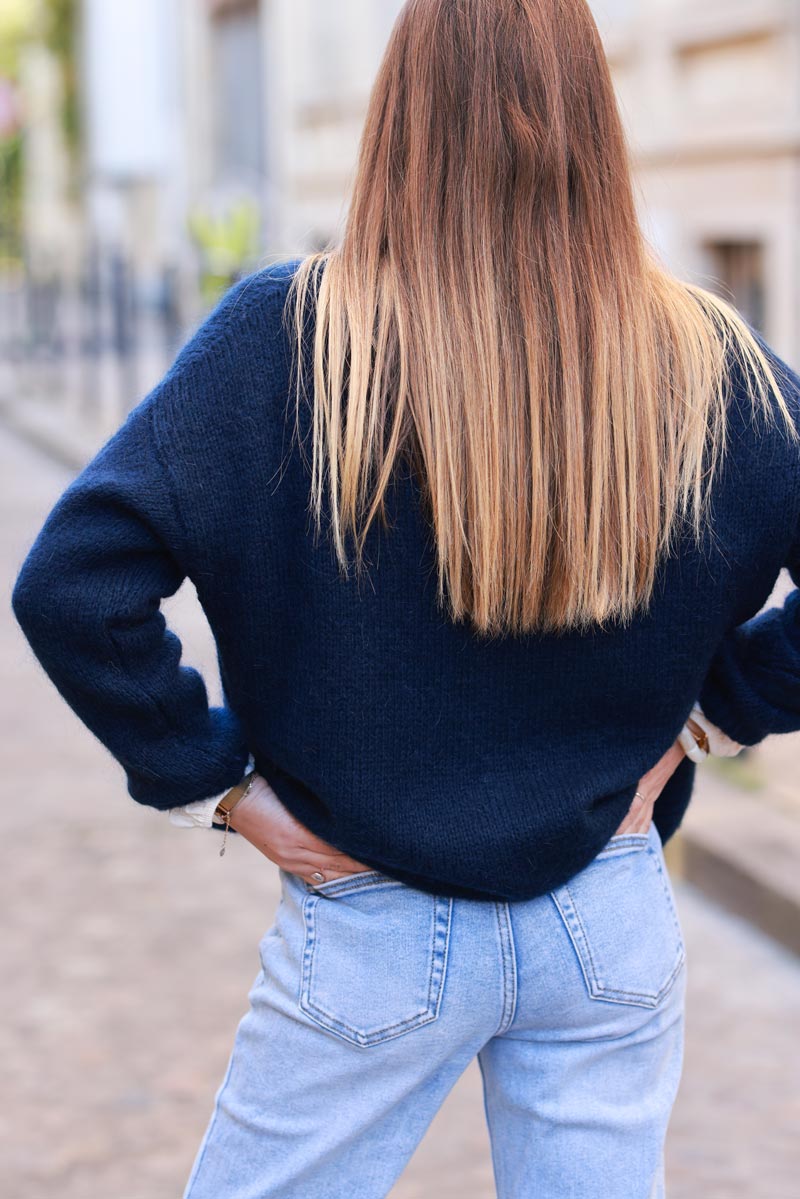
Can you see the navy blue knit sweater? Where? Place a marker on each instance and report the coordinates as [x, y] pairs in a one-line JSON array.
[[460, 765]]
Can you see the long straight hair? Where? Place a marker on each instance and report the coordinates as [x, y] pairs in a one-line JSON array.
[[493, 312]]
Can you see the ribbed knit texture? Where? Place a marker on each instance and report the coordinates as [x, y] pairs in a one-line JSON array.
[[493, 769]]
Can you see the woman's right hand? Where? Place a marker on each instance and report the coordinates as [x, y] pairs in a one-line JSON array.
[[650, 786], [267, 824]]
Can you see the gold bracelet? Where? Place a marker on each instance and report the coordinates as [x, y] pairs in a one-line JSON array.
[[699, 733], [229, 802], [695, 743]]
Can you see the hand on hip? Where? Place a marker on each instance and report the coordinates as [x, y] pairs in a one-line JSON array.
[[267, 824], [640, 813]]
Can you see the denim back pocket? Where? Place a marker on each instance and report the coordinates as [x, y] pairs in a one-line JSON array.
[[621, 918], [374, 956]]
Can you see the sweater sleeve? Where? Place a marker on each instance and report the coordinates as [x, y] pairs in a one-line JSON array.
[[719, 744], [752, 688], [199, 813], [87, 598]]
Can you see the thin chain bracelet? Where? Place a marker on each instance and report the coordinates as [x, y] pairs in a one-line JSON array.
[[227, 815]]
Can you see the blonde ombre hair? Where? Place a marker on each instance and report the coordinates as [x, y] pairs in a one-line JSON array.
[[494, 312]]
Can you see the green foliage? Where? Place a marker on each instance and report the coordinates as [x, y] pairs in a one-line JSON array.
[[227, 244], [59, 32], [10, 196], [53, 23], [15, 30]]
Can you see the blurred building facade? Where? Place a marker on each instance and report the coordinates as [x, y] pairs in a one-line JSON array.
[[220, 134], [710, 94], [255, 99], [193, 105]]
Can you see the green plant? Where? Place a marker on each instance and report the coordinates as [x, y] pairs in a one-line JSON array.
[[227, 243], [59, 33], [15, 30]]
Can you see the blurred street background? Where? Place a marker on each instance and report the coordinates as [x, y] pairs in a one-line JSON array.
[[152, 152]]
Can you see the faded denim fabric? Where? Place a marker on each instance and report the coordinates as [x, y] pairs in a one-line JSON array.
[[373, 997]]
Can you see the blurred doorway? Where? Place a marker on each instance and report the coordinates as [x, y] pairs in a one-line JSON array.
[[738, 266]]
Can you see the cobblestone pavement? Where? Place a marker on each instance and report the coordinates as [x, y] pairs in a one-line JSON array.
[[129, 946]]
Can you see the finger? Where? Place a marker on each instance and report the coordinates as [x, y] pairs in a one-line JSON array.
[[644, 816], [313, 849], [346, 863], [638, 814], [331, 875], [335, 864]]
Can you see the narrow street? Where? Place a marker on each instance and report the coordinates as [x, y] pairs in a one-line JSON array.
[[129, 947]]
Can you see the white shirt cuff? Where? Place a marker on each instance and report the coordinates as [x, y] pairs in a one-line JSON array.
[[198, 814], [719, 743], [195, 815]]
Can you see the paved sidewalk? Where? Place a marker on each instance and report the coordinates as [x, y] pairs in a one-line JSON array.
[[129, 947]]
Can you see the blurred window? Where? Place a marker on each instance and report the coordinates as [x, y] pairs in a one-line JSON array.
[[739, 267], [238, 100], [609, 14], [330, 51]]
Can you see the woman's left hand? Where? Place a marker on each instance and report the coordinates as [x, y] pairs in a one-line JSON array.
[[640, 813], [267, 824]]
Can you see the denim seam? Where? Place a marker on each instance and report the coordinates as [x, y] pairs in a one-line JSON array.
[[625, 841], [665, 883], [508, 962], [340, 886], [442, 923]]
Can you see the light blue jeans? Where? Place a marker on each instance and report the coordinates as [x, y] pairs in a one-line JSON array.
[[373, 997]]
